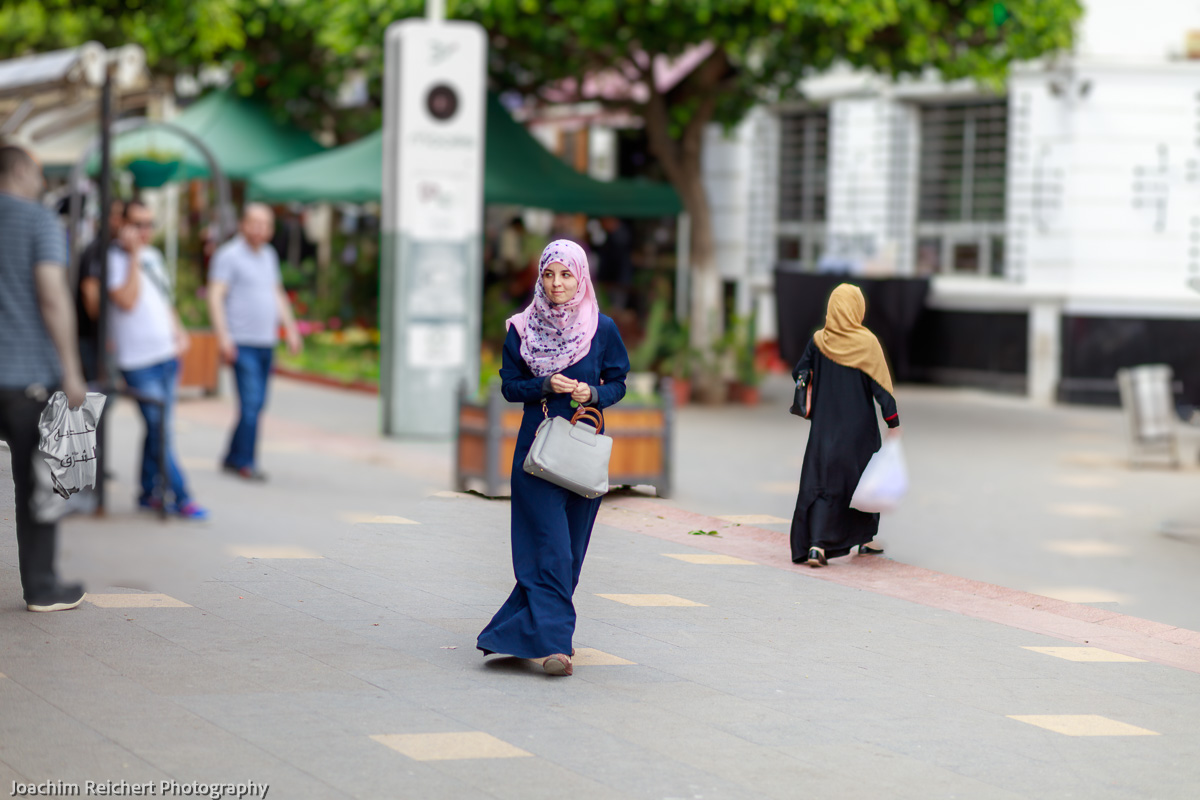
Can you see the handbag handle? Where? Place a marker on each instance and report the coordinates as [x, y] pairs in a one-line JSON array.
[[589, 414]]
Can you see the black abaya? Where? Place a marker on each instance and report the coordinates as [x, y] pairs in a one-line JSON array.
[[843, 436]]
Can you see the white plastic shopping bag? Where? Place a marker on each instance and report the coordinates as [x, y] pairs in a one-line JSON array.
[[68, 441], [884, 482]]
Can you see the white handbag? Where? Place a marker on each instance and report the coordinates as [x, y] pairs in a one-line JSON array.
[[571, 455]]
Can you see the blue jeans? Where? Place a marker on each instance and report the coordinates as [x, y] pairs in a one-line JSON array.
[[158, 382], [252, 369]]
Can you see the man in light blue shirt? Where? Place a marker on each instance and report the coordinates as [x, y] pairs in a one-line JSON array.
[[247, 304]]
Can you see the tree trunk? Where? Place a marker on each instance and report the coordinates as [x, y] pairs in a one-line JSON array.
[[706, 317], [681, 159]]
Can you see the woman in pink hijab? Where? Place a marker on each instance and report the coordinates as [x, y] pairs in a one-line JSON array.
[[560, 352]]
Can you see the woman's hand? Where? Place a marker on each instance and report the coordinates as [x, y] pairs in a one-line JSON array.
[[582, 393], [561, 384], [894, 433]]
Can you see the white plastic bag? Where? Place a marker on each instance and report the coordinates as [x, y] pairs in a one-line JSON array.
[[884, 482], [46, 504], [68, 440]]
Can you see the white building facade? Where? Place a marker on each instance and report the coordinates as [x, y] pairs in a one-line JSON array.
[[1058, 223]]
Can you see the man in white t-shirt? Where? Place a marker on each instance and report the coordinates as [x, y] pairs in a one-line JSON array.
[[148, 338], [247, 304]]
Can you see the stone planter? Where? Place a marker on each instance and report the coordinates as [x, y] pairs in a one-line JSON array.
[[683, 391], [745, 394], [487, 438], [200, 366]]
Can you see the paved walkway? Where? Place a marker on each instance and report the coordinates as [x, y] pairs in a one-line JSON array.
[[318, 635], [1036, 499]]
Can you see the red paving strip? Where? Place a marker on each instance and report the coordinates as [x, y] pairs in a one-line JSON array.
[[324, 380], [1131, 636], [369, 449]]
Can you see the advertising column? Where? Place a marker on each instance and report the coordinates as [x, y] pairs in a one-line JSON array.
[[432, 222]]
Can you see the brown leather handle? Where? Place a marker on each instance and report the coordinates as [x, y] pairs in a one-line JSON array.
[[589, 414]]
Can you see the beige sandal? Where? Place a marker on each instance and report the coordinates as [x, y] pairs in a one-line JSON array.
[[557, 664]]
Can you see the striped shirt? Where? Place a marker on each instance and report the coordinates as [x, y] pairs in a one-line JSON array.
[[29, 235]]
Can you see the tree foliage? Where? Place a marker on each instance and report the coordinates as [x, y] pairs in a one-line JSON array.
[[176, 34], [286, 63], [274, 48], [754, 51], [297, 53], [761, 49]]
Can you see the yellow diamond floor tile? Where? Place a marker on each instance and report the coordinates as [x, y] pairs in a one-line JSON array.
[[707, 558], [649, 600], [754, 519], [148, 600], [1083, 458], [1082, 725], [286, 447], [1085, 654], [271, 551], [1085, 548], [377, 519], [1083, 594], [1085, 481], [450, 746], [591, 657], [1085, 510]]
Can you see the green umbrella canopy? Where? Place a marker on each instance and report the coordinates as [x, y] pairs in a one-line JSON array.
[[240, 133], [517, 171], [352, 173]]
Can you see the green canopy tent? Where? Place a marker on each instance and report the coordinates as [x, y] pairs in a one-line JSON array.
[[240, 133], [352, 173], [517, 171]]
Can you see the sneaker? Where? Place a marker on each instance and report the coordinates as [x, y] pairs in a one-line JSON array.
[[149, 504], [62, 598], [190, 510], [246, 473]]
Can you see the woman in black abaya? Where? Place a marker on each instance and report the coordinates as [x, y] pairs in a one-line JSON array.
[[849, 375]]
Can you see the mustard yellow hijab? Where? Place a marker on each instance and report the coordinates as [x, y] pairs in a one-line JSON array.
[[845, 341]]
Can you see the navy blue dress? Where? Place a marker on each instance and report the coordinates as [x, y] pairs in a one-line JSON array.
[[551, 526]]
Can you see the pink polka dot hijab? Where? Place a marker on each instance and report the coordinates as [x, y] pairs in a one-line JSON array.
[[555, 337]]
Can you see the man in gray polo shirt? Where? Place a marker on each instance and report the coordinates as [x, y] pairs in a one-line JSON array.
[[247, 304], [37, 355]]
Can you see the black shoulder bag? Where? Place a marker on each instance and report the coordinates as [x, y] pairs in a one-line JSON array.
[[802, 400]]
